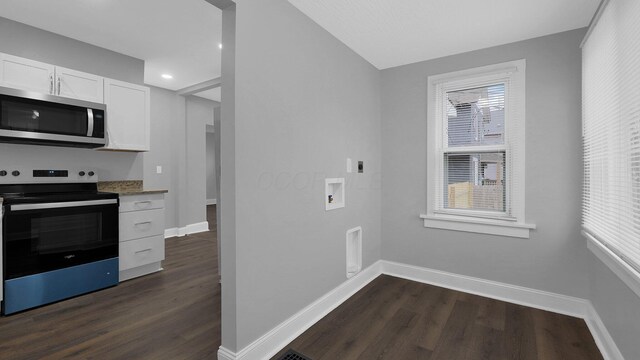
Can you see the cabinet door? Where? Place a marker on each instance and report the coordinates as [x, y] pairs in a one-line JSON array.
[[128, 118], [79, 85], [25, 74]]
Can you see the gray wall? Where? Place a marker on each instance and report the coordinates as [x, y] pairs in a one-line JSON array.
[[555, 257], [306, 105], [226, 216], [199, 113], [110, 165], [32, 43], [618, 307], [22, 40], [212, 191], [168, 134], [178, 145]]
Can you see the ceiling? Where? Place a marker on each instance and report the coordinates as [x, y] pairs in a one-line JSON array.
[[212, 94], [178, 37], [181, 37], [390, 33]]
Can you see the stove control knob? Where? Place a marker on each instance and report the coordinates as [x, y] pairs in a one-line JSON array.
[[3, 172], [15, 173], [91, 173], [81, 173]]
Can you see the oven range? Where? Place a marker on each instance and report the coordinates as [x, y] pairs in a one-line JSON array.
[[59, 236]]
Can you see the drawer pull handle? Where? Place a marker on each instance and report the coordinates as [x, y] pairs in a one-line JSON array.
[[141, 251], [146, 203], [143, 223]]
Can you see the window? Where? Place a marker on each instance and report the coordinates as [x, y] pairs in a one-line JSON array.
[[476, 151], [611, 138]]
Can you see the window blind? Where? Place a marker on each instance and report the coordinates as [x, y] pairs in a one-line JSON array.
[[611, 130]]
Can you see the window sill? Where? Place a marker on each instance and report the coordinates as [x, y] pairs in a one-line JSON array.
[[478, 225], [625, 272]]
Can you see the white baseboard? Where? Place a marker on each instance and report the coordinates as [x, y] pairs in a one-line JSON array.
[[171, 232], [187, 230], [270, 343], [224, 354], [557, 303], [273, 341], [601, 335], [197, 228], [212, 201]]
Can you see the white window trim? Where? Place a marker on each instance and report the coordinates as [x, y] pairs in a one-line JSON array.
[[504, 224]]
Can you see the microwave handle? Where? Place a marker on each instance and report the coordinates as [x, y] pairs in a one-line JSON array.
[[90, 122]]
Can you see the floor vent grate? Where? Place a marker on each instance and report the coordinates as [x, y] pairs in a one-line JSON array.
[[292, 355]]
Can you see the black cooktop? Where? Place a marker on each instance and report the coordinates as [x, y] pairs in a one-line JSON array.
[[38, 193]]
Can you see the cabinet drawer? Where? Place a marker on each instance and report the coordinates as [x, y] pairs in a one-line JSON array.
[[141, 252], [141, 202], [139, 224]]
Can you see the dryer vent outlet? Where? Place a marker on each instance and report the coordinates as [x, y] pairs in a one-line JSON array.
[[354, 251]]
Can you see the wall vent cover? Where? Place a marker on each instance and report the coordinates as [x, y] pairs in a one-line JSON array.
[[292, 355]]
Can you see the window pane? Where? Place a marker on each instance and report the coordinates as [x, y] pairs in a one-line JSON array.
[[475, 181], [476, 116]]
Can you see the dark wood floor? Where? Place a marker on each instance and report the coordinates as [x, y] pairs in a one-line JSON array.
[[173, 314], [398, 319]]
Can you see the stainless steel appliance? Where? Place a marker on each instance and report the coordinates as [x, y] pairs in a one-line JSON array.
[[59, 236], [33, 118]]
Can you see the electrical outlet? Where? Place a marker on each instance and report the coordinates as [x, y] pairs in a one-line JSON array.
[[349, 166], [158, 169]]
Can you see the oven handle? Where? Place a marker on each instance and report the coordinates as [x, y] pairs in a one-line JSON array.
[[60, 205]]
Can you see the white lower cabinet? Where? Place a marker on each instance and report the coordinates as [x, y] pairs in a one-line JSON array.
[[141, 235], [140, 252], [139, 224], [141, 202]]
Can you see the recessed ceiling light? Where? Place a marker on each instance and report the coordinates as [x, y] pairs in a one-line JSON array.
[[167, 76], [220, 46]]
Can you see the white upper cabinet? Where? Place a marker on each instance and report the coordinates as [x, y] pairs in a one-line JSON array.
[[30, 75], [128, 105], [128, 116], [25, 74], [79, 85]]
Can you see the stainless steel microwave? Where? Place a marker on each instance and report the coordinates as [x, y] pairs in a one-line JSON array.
[[32, 118]]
